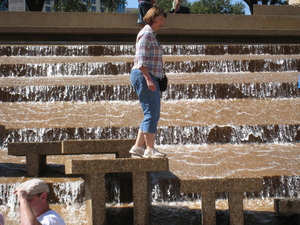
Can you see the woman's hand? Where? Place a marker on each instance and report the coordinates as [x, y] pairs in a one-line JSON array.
[[151, 84]]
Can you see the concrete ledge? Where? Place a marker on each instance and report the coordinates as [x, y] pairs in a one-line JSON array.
[[120, 23], [122, 27], [71, 147], [221, 185], [121, 165], [119, 147], [40, 148], [276, 10], [287, 206], [35, 154]]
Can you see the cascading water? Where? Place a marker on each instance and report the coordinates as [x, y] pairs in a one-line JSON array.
[[166, 135], [87, 93], [212, 76]]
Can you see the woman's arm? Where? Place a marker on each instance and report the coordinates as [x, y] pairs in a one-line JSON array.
[[150, 83]]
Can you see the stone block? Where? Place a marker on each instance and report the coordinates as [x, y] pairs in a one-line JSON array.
[[35, 153], [208, 189], [120, 165], [221, 185], [95, 170], [120, 147], [40, 148], [287, 206]]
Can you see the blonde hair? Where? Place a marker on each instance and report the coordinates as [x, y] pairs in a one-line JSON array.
[[152, 13]]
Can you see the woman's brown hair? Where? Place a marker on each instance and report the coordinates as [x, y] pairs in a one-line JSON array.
[[152, 13]]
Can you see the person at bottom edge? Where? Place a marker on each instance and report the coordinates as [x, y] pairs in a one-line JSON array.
[[147, 69], [34, 205]]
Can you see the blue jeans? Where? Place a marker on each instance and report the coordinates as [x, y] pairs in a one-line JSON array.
[[149, 100], [143, 9]]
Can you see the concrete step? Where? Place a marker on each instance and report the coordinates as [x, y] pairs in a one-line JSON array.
[[181, 86], [174, 78], [126, 93], [122, 65], [129, 49], [80, 93], [210, 135], [125, 58]]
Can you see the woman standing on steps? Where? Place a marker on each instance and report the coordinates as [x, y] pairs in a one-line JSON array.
[[147, 69]]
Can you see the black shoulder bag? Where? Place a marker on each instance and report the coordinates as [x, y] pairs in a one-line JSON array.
[[163, 82]]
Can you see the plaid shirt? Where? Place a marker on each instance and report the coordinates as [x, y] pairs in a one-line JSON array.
[[148, 52]]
